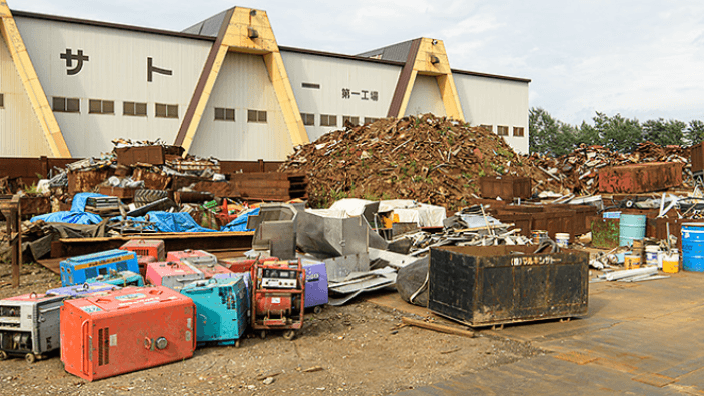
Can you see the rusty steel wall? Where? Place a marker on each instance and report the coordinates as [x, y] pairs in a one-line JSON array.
[[640, 178]]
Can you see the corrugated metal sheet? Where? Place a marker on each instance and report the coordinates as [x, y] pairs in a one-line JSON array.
[[491, 101], [116, 70], [20, 131], [333, 75], [396, 52], [425, 97], [243, 84]]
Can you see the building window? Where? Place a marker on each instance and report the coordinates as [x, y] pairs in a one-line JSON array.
[[489, 128], [256, 116], [2, 100], [310, 85], [502, 130], [308, 119], [328, 120], [224, 114], [66, 105], [370, 120], [97, 106], [134, 109], [166, 110], [518, 131], [351, 119]]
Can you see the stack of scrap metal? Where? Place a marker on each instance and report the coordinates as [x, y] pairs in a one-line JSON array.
[[270, 186]]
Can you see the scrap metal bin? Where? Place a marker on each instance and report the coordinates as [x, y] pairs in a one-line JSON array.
[[483, 286]]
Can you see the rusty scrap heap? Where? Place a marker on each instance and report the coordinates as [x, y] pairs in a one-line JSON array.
[[577, 172], [430, 158]]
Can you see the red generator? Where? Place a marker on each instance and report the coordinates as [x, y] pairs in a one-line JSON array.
[[277, 297], [143, 262], [147, 247], [204, 261], [243, 264], [126, 330]]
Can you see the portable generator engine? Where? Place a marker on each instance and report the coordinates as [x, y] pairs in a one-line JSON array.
[[277, 296]]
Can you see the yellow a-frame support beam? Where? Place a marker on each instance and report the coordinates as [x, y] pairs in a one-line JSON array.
[[248, 31], [32, 86], [427, 57]]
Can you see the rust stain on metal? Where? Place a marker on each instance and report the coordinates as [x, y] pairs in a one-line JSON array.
[[640, 178], [506, 187], [152, 180], [654, 379], [87, 180], [576, 357]]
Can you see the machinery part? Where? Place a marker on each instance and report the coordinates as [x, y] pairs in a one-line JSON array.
[[30, 358], [161, 343], [262, 334], [237, 344], [317, 309], [3, 355], [289, 334]]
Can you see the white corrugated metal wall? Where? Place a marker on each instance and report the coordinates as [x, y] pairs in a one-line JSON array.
[[20, 132], [116, 70], [243, 84], [494, 101], [425, 97], [344, 87]]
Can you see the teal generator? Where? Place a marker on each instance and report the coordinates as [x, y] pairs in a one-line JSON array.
[[221, 309]]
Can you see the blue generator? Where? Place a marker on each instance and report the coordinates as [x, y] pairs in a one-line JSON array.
[[221, 309], [122, 278], [76, 270]]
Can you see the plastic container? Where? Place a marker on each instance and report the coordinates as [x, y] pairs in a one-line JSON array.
[[562, 239], [631, 261], [539, 236], [631, 227], [671, 262], [693, 247], [651, 255]]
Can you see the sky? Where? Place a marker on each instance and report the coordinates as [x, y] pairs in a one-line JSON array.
[[641, 59]]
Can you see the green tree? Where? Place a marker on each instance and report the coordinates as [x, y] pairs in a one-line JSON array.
[[664, 132], [618, 133], [694, 133], [548, 135]]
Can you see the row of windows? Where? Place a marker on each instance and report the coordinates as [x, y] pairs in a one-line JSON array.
[[502, 130], [330, 120], [97, 106]]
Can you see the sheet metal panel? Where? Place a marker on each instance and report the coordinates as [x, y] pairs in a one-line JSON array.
[[116, 70], [243, 84], [333, 75], [492, 101], [17, 114], [640, 178], [425, 97]]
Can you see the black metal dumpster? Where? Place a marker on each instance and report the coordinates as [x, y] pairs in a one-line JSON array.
[[483, 286]]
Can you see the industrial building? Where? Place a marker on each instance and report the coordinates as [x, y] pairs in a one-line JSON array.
[[222, 88]]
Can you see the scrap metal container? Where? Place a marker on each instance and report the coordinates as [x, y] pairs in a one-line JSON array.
[[76, 270], [506, 187], [483, 286], [697, 157], [29, 325], [126, 330], [640, 178], [222, 306]]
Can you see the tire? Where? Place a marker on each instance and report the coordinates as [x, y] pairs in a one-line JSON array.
[[30, 358], [3, 355], [317, 309], [289, 334], [262, 334]]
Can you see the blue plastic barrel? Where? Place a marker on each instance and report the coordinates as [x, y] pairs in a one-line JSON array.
[[693, 247], [631, 227]]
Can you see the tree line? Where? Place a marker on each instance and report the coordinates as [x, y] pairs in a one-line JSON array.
[[553, 137]]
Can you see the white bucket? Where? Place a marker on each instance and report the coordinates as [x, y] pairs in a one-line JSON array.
[[651, 255], [562, 239]]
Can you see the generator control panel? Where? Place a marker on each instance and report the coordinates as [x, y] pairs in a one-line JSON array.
[[277, 278]]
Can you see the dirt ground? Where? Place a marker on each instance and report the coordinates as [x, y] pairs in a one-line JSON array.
[[356, 349]]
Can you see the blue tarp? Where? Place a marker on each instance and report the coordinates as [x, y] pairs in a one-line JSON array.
[[175, 222], [76, 215], [240, 223]]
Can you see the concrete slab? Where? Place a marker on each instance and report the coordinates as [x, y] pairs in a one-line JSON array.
[[641, 338]]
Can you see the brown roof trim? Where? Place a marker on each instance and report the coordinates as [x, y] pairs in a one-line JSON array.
[[471, 73], [109, 25], [200, 87], [339, 56], [403, 79]]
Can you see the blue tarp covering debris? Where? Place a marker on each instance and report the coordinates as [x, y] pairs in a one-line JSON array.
[[175, 222], [76, 215], [240, 223]]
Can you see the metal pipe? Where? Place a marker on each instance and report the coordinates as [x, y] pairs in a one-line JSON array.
[[629, 273]]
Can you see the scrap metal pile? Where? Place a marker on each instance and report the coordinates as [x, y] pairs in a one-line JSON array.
[[577, 172], [428, 157]]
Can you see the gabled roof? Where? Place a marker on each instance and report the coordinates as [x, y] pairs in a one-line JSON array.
[[394, 52], [208, 27]]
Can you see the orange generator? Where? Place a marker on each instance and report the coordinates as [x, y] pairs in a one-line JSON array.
[[126, 330]]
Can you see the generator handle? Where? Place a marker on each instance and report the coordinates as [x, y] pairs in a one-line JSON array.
[[84, 335]]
